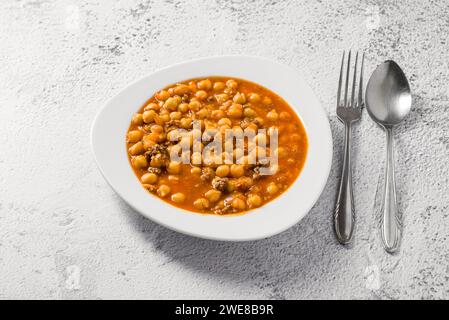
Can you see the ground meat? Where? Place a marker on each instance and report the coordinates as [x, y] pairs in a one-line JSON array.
[[158, 150], [222, 208], [256, 170], [172, 125], [245, 123], [186, 97], [150, 187], [155, 170], [207, 174], [221, 184], [243, 184], [256, 173]]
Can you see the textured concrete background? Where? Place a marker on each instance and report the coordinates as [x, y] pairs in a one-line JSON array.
[[65, 234]]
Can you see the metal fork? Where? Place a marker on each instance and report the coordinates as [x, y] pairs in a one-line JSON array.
[[348, 112]]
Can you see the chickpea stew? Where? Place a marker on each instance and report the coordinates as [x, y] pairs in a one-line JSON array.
[[240, 177]]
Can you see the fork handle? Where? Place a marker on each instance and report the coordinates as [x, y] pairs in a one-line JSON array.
[[344, 214]]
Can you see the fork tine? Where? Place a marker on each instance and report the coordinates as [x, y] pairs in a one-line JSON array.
[[340, 79], [360, 99], [347, 78], [354, 80]]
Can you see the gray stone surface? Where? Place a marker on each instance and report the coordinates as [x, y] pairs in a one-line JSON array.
[[65, 234]]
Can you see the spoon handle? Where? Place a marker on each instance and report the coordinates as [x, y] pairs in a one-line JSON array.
[[344, 215], [391, 222]]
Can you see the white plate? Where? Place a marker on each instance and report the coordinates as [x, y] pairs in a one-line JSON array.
[[108, 142]]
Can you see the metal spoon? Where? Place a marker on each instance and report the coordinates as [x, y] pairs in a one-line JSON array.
[[388, 101]]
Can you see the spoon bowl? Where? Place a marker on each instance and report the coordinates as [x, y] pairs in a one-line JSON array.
[[388, 97]]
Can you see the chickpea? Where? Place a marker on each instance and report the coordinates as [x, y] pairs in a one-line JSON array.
[[163, 190], [162, 137], [231, 186], [222, 171], [148, 116], [284, 116], [164, 111], [237, 170], [152, 106], [173, 135], [201, 94], [194, 105], [162, 119], [266, 101], [217, 114], [225, 121], [272, 189], [223, 130], [239, 98], [137, 149], [176, 115], [140, 162], [181, 89], [201, 203], [248, 112], [254, 201], [245, 182], [147, 142], [218, 86], [254, 98], [205, 84], [134, 136], [203, 113], [149, 178], [174, 167], [186, 142], [195, 170], [196, 158], [178, 197], [272, 130], [213, 195], [238, 154], [261, 139], [221, 98], [235, 111], [232, 84], [253, 127], [272, 115], [154, 136], [156, 162], [183, 107], [238, 204], [186, 123], [162, 95], [137, 119], [259, 121], [171, 104], [178, 99], [157, 128]]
